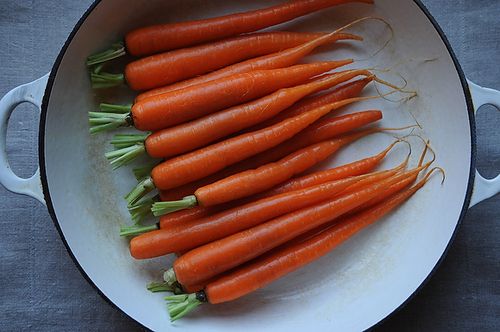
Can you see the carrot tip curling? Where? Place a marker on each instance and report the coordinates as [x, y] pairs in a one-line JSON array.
[[182, 304], [102, 80], [161, 208], [115, 51], [140, 190]]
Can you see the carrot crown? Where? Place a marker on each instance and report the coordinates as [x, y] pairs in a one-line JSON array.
[[110, 117], [144, 187], [115, 51], [161, 208], [102, 80], [182, 304]]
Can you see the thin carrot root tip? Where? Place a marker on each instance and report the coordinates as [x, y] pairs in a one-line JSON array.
[[161, 208], [143, 171], [140, 190], [433, 170], [385, 44], [103, 80], [181, 304], [110, 117], [156, 287], [117, 50]]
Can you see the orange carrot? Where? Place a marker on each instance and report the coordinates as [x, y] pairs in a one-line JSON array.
[[358, 167], [219, 256], [170, 67], [349, 90], [200, 132], [288, 258], [163, 37], [206, 161], [283, 59], [184, 218], [225, 223], [179, 106]]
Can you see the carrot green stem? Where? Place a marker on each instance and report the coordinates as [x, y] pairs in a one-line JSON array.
[[121, 141], [156, 287], [102, 121], [142, 209], [161, 208], [143, 187], [182, 304], [143, 171], [124, 156], [117, 50], [102, 80], [135, 230], [113, 108]]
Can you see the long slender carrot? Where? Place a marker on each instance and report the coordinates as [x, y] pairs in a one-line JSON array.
[[285, 259], [283, 59], [358, 167], [200, 132], [253, 181], [183, 218], [206, 161], [179, 106], [225, 223], [219, 256], [350, 90], [346, 91], [159, 38], [170, 67]]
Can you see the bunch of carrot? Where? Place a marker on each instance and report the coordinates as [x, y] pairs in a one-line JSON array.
[[237, 123]]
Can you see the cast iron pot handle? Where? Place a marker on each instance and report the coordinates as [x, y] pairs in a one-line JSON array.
[[31, 93], [484, 188]]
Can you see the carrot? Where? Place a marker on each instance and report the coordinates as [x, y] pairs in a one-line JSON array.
[[349, 90], [346, 91], [183, 105], [183, 218], [276, 60], [197, 133], [221, 255], [159, 38], [285, 259], [355, 168], [225, 223], [253, 181], [170, 67], [208, 160]]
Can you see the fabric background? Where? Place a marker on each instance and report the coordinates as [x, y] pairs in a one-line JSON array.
[[41, 289]]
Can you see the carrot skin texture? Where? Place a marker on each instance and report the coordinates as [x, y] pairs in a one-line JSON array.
[[199, 232], [219, 256], [346, 91], [290, 257], [283, 59], [188, 136], [206, 161], [169, 67], [336, 127], [267, 176], [183, 105], [163, 37], [355, 168]]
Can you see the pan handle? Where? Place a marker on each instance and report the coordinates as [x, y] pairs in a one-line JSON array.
[[484, 188], [31, 93]]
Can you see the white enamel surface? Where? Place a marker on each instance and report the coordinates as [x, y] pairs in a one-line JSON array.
[[355, 286], [30, 93], [484, 188]]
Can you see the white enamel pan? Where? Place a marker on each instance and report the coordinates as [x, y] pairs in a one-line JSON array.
[[355, 287]]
